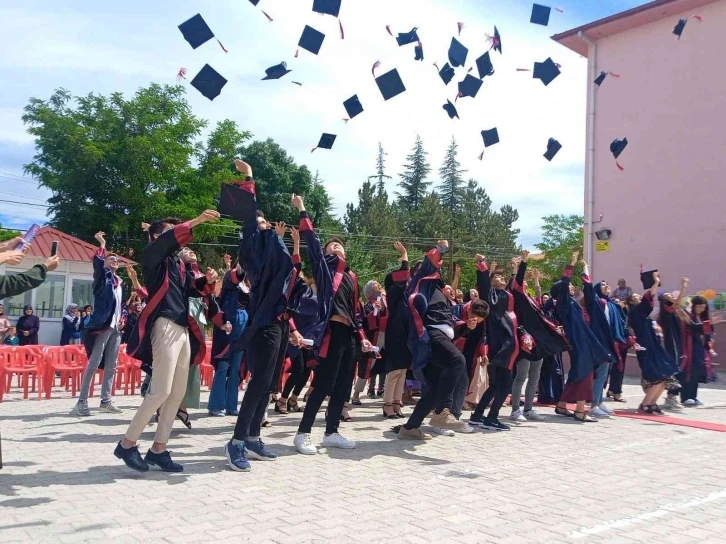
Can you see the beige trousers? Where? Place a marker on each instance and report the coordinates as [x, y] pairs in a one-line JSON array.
[[171, 357], [395, 380], [478, 385]]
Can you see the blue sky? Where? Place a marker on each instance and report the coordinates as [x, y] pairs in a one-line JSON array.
[[104, 47]]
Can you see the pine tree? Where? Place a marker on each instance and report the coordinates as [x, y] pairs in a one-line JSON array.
[[451, 190], [381, 171], [414, 185]]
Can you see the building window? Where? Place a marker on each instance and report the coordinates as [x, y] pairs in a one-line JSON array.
[[49, 296], [82, 293], [14, 305]]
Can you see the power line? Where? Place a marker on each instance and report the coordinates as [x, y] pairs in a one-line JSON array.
[[25, 203]]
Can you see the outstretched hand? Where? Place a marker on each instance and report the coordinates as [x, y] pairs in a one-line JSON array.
[[294, 234], [398, 246], [575, 256], [280, 228], [297, 202], [211, 275], [243, 167]]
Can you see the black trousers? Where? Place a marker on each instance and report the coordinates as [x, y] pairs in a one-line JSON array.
[[334, 377], [444, 374], [265, 355], [615, 385], [689, 388], [500, 385], [298, 377]]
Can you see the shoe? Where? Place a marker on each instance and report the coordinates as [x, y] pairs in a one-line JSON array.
[[476, 421], [597, 412], [237, 457], [304, 445], [466, 428], [257, 450], [81, 409], [446, 420], [531, 415], [607, 409], [442, 432], [517, 416], [698, 402], [690, 402], [131, 457], [371, 393], [336, 441], [281, 407], [234, 413], [413, 434], [110, 407], [217, 413], [163, 461], [494, 425], [672, 404]]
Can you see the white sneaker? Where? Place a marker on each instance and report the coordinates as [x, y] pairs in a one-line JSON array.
[[531, 415], [517, 416], [698, 402], [110, 407], [336, 441], [607, 410], [672, 404], [466, 428], [304, 445], [690, 402], [597, 412], [442, 432]]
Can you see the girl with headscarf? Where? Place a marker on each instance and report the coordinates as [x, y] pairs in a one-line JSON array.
[[70, 333], [27, 327], [375, 320]]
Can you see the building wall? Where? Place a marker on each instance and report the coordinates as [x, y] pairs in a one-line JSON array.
[[666, 210]]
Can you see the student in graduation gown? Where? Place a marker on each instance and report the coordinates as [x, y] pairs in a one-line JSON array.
[[586, 353], [375, 320], [552, 376], [657, 367], [339, 332], [548, 341], [674, 322]]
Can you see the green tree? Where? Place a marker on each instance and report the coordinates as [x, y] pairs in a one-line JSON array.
[[414, 184], [6, 234], [451, 188], [381, 170], [561, 236]]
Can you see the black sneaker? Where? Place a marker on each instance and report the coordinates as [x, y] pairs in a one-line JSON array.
[[163, 461], [131, 457], [492, 425], [476, 421], [498, 425]]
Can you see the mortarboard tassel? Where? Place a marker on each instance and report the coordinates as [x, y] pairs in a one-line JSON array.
[[469, 70], [375, 65], [560, 10], [180, 75], [313, 149], [460, 25], [642, 268], [342, 32], [620, 167], [614, 74], [459, 94], [437, 67], [481, 156], [493, 40], [345, 119], [297, 83], [268, 17], [523, 70], [388, 29], [297, 52], [698, 17], [220, 45]]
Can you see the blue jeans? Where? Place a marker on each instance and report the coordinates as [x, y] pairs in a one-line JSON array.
[[225, 385], [598, 383]]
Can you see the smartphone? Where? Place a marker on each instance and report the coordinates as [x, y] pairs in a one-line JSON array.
[[28, 236], [54, 248]]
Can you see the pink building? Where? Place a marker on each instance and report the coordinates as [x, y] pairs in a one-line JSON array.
[[667, 208]]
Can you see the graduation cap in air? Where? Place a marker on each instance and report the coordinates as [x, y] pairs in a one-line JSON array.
[[353, 106], [484, 65], [457, 53], [390, 84], [599, 80], [418, 50], [541, 14], [209, 82], [545, 71], [678, 29], [616, 148], [254, 2], [277, 71], [326, 142], [405, 38], [236, 200], [496, 41], [197, 32], [553, 147], [469, 86], [490, 137], [447, 73], [327, 7], [311, 40], [451, 110], [646, 277]]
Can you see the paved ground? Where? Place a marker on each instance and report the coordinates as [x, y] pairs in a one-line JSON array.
[[615, 481]]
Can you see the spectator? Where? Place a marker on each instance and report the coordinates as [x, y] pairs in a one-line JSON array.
[[132, 319], [11, 338], [28, 326], [86, 315], [622, 292], [4, 323], [70, 333]]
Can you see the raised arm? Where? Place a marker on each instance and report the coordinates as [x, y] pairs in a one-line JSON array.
[[250, 228], [684, 288], [400, 276], [457, 275], [99, 259], [537, 286], [518, 283], [483, 278], [320, 271], [172, 240], [587, 289]]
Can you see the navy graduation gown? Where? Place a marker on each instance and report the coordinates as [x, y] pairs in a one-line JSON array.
[[656, 364]]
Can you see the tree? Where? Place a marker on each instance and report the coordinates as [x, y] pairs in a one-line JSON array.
[[414, 185], [451, 189], [561, 236], [7, 234], [381, 170]]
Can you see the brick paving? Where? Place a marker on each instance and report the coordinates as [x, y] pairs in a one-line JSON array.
[[619, 480]]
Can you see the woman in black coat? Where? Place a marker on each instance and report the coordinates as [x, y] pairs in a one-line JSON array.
[[27, 326]]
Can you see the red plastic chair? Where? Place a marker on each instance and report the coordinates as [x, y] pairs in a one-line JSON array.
[[25, 362], [129, 372], [66, 361]]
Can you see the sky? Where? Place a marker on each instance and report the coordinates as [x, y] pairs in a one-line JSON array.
[[104, 47]]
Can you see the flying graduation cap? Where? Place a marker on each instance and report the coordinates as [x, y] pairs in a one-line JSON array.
[[329, 7], [326, 142], [646, 277], [446, 73], [389, 84], [311, 40], [277, 71], [197, 32], [484, 66], [254, 3], [553, 147], [541, 14], [352, 107], [469, 86], [236, 200], [496, 41], [406, 38], [490, 137], [616, 148], [545, 71], [457, 53], [451, 110], [678, 30], [209, 82], [599, 80], [418, 50]]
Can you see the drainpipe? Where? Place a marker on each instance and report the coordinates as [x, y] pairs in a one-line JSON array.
[[591, 65]]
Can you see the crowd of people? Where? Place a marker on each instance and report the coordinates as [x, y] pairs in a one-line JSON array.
[[413, 336]]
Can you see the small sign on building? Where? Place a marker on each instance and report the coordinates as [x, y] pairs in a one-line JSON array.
[[602, 246]]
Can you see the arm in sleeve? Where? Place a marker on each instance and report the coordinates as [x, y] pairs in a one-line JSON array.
[[321, 274], [167, 243], [249, 230], [17, 284], [518, 283], [588, 291], [99, 266], [483, 281]]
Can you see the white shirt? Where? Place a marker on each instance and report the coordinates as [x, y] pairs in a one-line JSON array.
[[118, 297]]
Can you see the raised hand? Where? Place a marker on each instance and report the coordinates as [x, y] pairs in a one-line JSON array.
[[457, 269], [575, 256], [479, 258], [51, 263], [525, 255], [211, 275], [280, 228], [205, 217], [99, 236], [684, 282], [295, 234], [243, 167], [7, 245], [13, 256], [401, 251], [297, 202], [145, 226]]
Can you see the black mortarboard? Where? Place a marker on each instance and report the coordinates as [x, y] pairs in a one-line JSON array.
[[618, 146], [457, 53], [235, 202], [490, 136], [418, 50], [545, 71], [209, 82], [328, 7], [451, 110], [277, 71], [678, 30], [601, 78], [326, 141], [497, 41], [407, 37], [353, 106], [553, 147], [470, 86], [254, 2], [540, 15], [646, 279], [196, 31], [390, 84], [447, 73], [484, 65], [311, 40]]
